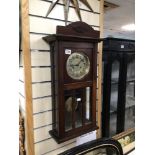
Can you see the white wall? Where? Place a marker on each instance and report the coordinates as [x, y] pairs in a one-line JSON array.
[[40, 61], [21, 85], [21, 90]]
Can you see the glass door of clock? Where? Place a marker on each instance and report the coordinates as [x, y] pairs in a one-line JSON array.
[[77, 108]]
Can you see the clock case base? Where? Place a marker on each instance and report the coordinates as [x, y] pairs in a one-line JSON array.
[[63, 139]]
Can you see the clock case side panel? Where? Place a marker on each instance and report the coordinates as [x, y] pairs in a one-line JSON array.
[[94, 84], [54, 86], [57, 90], [60, 60]]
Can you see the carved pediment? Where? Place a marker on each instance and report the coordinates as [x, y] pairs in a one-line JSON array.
[[78, 29]]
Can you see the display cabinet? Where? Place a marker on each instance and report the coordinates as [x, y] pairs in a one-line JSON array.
[[118, 93]]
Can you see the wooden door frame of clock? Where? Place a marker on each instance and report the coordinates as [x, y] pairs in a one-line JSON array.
[[27, 73]]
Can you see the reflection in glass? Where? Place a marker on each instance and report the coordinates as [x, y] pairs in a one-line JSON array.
[[130, 99], [78, 107], [131, 70], [103, 151], [88, 107], [115, 71], [68, 113], [129, 118], [114, 97], [130, 96]]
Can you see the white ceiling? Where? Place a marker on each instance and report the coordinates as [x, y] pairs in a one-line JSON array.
[[115, 18]]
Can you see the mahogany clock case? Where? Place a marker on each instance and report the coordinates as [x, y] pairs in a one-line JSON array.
[[81, 38]]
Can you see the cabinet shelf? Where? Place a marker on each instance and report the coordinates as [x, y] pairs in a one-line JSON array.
[[114, 82], [115, 111]]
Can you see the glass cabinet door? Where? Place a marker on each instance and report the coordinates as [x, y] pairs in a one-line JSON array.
[[114, 97], [130, 96], [69, 103]]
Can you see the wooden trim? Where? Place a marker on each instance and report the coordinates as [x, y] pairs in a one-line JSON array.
[[131, 145], [100, 47], [124, 133], [27, 76]]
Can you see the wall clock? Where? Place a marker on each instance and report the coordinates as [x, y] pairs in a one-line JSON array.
[[74, 76]]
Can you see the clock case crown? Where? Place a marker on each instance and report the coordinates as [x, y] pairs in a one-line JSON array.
[[76, 37]]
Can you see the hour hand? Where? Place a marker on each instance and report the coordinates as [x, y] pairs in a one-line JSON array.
[[74, 65], [78, 63]]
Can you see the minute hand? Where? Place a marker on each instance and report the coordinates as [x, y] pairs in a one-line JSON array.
[[77, 64]]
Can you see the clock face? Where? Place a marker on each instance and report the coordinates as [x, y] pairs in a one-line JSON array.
[[77, 65]]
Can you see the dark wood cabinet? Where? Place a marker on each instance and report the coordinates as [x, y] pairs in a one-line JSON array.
[[74, 77], [118, 101]]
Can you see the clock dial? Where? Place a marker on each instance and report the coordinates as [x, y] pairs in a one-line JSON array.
[[77, 65]]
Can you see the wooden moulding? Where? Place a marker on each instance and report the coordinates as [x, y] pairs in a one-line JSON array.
[[78, 31], [127, 140], [125, 133], [27, 75], [100, 47], [60, 140]]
